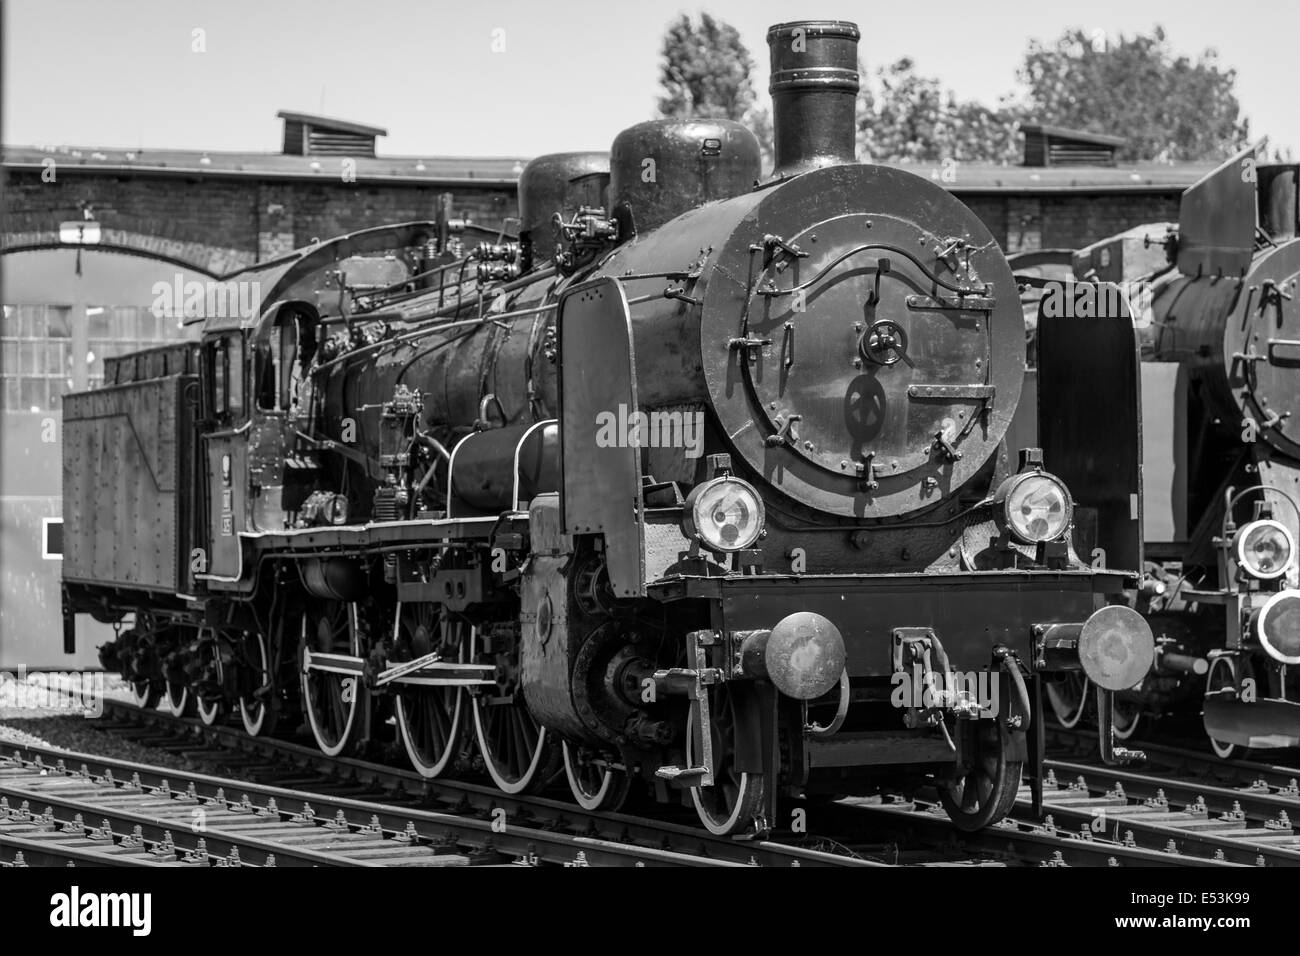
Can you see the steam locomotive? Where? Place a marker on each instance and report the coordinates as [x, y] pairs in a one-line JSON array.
[[1220, 340], [705, 485]]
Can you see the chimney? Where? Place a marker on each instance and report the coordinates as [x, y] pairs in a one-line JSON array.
[[814, 91]]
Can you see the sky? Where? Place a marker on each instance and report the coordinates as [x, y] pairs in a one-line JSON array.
[[518, 77]]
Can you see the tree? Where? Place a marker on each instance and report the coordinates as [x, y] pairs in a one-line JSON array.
[[707, 72], [913, 119], [1170, 108]]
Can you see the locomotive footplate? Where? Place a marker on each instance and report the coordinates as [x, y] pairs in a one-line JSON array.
[[364, 539], [386, 536]]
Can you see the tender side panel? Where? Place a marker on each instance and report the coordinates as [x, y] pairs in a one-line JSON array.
[[124, 467]]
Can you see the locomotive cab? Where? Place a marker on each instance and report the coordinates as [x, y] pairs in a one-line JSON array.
[[257, 394]]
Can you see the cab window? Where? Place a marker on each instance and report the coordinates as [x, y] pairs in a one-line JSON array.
[[276, 361], [225, 360]]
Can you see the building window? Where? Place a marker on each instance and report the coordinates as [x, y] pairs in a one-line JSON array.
[[39, 365], [35, 357]]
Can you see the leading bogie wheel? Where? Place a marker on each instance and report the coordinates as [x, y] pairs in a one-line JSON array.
[[983, 791], [598, 782], [733, 803]]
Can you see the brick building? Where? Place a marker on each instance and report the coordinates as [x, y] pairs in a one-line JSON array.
[[216, 211], [219, 211]]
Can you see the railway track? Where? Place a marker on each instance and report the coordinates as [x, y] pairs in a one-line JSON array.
[[355, 810], [1187, 805], [1097, 820], [1020, 839], [1185, 761], [133, 813], [67, 786], [476, 818], [1173, 815], [931, 838]]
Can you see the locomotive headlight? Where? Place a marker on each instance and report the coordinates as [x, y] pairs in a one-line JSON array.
[[1034, 506], [725, 513], [1264, 548]]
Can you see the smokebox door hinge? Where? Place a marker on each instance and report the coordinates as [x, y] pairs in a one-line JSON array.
[[784, 433], [773, 244]]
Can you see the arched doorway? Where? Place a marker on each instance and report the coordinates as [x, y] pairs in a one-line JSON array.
[[64, 311]]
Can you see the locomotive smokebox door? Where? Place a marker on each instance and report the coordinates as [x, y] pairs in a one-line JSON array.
[[1090, 414], [600, 462], [874, 361]]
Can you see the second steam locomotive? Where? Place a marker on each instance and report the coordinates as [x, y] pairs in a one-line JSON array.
[[707, 486], [1220, 341]]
